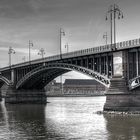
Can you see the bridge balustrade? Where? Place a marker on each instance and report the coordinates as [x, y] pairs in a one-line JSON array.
[[128, 43], [96, 49], [119, 45], [86, 51], [92, 50], [133, 42], [137, 41]]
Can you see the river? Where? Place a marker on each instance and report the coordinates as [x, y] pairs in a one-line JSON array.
[[66, 118]]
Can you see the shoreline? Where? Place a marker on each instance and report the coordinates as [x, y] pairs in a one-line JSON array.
[[76, 96], [125, 113]]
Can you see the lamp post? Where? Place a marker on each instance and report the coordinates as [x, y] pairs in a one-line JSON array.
[[67, 47], [62, 33], [11, 51], [41, 52], [113, 12], [30, 45], [105, 37]]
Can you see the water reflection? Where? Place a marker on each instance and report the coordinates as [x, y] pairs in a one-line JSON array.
[[62, 119], [33, 122], [65, 119], [22, 121], [73, 118], [123, 127]]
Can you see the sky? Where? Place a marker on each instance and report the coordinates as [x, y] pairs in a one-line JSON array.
[[40, 21]]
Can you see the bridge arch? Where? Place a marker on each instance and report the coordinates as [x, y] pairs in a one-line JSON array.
[[5, 80], [53, 70]]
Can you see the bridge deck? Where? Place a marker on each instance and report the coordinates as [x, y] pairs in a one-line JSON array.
[[95, 50]]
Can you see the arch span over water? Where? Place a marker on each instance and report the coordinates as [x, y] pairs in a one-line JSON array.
[[53, 70], [5, 80]]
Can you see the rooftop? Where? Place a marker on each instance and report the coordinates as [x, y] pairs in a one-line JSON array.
[[80, 82]]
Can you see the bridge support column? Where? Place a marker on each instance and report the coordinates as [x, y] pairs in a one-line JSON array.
[[25, 96], [119, 97]]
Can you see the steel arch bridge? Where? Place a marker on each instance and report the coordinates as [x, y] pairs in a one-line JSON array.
[[118, 69]]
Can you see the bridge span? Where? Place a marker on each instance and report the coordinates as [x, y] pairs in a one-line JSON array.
[[116, 66]]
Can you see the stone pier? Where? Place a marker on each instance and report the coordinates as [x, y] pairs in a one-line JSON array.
[[25, 96], [120, 98]]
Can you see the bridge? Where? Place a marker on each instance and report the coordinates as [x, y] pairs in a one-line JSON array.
[[116, 66]]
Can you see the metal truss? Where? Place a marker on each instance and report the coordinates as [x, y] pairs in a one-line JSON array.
[[64, 66], [5, 80]]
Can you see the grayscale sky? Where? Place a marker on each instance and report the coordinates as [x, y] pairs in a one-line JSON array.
[[40, 20]]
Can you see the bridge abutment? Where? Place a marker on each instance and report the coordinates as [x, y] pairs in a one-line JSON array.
[[25, 96]]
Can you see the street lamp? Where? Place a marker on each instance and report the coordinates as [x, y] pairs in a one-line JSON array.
[[105, 37], [67, 47], [62, 33], [41, 52], [114, 11], [30, 45], [10, 52]]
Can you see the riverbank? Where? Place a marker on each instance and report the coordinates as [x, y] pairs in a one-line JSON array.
[[118, 112], [74, 95]]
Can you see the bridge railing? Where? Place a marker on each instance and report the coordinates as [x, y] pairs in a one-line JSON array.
[[84, 52], [104, 48], [127, 44], [94, 50], [87, 51]]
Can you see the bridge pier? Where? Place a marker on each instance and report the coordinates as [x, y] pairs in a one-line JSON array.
[[119, 98], [25, 96]]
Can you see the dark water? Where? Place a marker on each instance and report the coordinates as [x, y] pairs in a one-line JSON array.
[[70, 118]]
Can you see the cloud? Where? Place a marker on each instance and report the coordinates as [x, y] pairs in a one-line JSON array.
[[83, 21]]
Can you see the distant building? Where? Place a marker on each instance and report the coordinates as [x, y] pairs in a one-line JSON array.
[[87, 87], [75, 87]]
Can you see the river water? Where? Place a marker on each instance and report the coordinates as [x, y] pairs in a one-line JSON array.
[[66, 118]]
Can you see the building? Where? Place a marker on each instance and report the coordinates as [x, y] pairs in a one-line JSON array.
[[75, 87], [84, 87]]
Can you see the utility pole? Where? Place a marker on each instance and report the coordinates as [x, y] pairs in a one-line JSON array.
[[30, 45], [62, 33], [11, 51], [113, 11], [41, 52]]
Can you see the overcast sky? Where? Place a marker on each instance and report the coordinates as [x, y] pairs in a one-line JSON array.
[[40, 20]]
